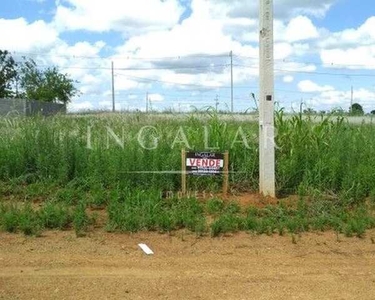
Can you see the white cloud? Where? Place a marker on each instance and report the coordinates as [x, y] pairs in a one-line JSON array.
[[362, 57], [283, 8], [350, 48], [282, 50], [156, 97], [288, 79], [79, 55], [123, 83], [338, 98], [314, 8], [209, 31], [308, 86], [90, 79], [285, 67], [301, 49], [81, 62], [328, 97], [84, 49], [107, 105], [301, 28], [298, 29], [152, 29], [202, 34], [185, 39], [19, 35], [101, 16], [348, 38], [80, 106]]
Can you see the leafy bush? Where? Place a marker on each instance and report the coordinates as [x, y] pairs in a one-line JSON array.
[[55, 216], [81, 220]]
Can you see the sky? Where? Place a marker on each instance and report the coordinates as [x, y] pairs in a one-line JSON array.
[[178, 51]]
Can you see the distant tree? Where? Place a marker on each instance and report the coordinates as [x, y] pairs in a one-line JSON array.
[[356, 110], [373, 112], [337, 111], [48, 85], [309, 111], [8, 74]]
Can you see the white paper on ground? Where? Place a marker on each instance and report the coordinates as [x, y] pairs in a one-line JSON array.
[[146, 249]]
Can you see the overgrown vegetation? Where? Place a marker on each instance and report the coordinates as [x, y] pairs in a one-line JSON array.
[[132, 211], [123, 164]]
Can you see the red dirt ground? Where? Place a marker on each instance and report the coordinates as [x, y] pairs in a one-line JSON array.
[[111, 266]]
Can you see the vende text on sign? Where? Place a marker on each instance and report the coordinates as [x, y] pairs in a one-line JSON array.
[[204, 163]]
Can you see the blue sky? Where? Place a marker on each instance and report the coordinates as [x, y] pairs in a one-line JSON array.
[[346, 14], [178, 51]]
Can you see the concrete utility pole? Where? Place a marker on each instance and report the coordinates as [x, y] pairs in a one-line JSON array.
[[266, 100], [231, 81], [113, 88], [216, 102]]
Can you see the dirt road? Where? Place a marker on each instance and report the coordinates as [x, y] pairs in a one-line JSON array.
[[111, 266]]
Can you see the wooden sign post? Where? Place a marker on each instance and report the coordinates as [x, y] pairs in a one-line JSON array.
[[226, 174], [204, 164], [183, 171]]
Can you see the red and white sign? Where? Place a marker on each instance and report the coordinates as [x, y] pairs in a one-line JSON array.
[[205, 162]]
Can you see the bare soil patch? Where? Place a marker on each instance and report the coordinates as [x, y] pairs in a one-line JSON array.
[[111, 266]]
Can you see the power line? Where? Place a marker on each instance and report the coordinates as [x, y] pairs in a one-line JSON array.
[[17, 53], [179, 57], [181, 95], [237, 65], [328, 64], [181, 84], [326, 73], [172, 68], [241, 66], [222, 55], [318, 63], [114, 57], [210, 67], [213, 87], [313, 72]]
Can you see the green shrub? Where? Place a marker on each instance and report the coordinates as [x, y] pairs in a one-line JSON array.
[[227, 223], [81, 220], [28, 221], [55, 216], [10, 219], [215, 206]]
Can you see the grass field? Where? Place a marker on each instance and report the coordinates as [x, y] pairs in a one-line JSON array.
[[55, 171]]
